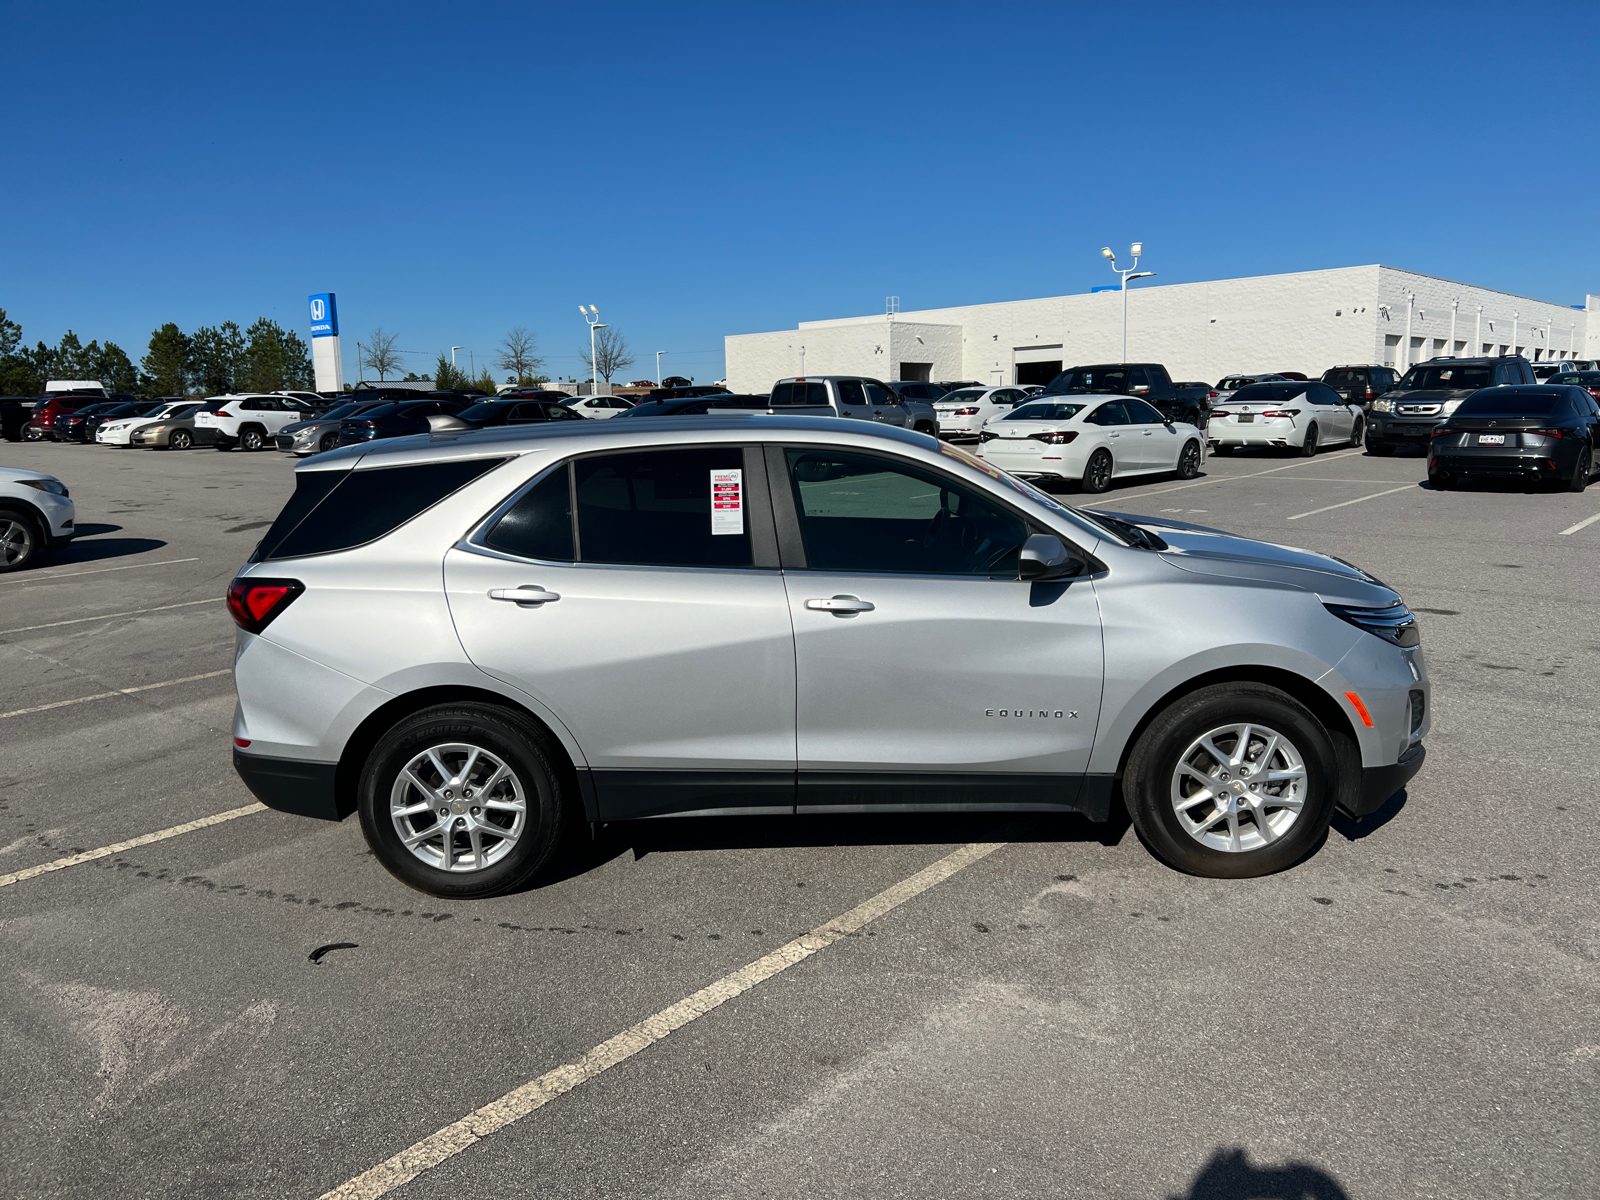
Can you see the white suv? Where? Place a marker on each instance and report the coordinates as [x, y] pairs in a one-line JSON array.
[[248, 422], [36, 514]]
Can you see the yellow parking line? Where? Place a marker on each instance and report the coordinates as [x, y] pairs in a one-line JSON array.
[[143, 839], [514, 1105], [148, 687]]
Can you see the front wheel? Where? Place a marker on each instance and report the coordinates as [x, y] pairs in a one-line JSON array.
[[330, 441], [1097, 473], [463, 800], [19, 540], [1189, 461], [1309, 446], [1232, 781], [180, 439]]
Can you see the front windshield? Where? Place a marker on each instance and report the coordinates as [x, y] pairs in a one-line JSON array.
[[1044, 410], [484, 410], [1448, 375], [1097, 381], [188, 410], [341, 410], [1022, 487]]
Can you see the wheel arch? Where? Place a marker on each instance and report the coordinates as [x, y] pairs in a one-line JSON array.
[[1346, 745], [347, 774]]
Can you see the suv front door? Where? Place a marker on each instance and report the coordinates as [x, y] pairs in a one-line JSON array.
[[928, 674], [885, 404], [656, 627]]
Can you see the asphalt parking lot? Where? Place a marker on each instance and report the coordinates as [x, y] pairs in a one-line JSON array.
[[1412, 1012]]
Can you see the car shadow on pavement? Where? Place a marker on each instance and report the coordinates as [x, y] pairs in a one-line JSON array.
[[1353, 829], [91, 546], [688, 834], [1230, 1175]]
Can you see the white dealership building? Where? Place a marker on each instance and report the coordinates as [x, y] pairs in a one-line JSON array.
[[1306, 321]]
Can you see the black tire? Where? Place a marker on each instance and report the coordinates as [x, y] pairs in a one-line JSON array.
[[330, 441], [1358, 432], [1222, 450], [180, 439], [1379, 450], [251, 440], [921, 427], [20, 539], [504, 733], [30, 434], [1147, 779], [1189, 460], [1097, 472], [1440, 481], [1581, 471], [1309, 447]]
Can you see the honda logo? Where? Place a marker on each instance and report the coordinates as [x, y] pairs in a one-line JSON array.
[[319, 309]]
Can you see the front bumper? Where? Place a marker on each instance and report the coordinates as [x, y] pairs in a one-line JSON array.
[[290, 785], [1380, 783], [1392, 431]]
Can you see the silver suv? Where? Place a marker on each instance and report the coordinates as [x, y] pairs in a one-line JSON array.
[[477, 639]]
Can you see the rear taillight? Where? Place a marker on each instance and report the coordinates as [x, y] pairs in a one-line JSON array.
[[1213, 395], [1281, 412], [965, 412], [1441, 431], [985, 435], [1551, 433], [1220, 412], [255, 603], [1056, 439], [1369, 393]]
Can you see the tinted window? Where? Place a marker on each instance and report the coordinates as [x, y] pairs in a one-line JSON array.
[[964, 396], [1267, 393], [851, 392], [878, 394], [1109, 414], [1448, 375], [1494, 402], [1141, 413], [1345, 377], [1091, 380], [654, 508], [862, 513], [785, 395], [361, 506], [1043, 410], [539, 525]]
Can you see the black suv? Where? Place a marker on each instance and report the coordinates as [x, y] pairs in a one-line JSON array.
[[1361, 385], [1148, 381], [1430, 392]]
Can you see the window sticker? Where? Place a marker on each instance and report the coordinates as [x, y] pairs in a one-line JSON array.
[[727, 502]]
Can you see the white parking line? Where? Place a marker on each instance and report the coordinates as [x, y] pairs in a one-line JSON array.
[[1357, 500], [36, 576], [1581, 524], [132, 612], [514, 1105], [1183, 487], [148, 687], [143, 839]]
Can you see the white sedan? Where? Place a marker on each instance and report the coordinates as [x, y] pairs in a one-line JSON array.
[[598, 408], [1091, 440], [964, 412], [120, 431], [1286, 416]]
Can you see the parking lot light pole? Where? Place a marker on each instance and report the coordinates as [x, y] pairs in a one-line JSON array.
[[1515, 316], [1477, 333], [453, 350], [1454, 304], [1411, 299], [1127, 273], [659, 353], [592, 316]]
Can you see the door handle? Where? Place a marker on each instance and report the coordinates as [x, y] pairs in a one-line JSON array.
[[529, 595], [841, 606]]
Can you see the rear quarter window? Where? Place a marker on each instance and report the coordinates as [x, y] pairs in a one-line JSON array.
[[338, 510]]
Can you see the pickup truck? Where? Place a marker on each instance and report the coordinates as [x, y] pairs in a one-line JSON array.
[[1148, 381], [852, 396]]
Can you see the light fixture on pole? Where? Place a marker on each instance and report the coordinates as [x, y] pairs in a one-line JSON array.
[[659, 353], [453, 350], [1127, 273], [591, 316]]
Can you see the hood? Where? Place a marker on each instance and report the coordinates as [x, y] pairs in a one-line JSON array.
[[1212, 552], [18, 473]]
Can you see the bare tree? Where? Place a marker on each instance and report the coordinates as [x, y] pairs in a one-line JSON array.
[[519, 354], [610, 354], [380, 354]]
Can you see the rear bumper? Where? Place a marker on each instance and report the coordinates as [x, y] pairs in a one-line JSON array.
[[289, 785], [1516, 464], [1380, 783]]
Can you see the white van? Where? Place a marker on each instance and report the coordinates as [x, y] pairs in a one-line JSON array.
[[79, 387]]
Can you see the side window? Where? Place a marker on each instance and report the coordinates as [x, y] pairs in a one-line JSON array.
[[1140, 413], [877, 393], [851, 392], [560, 412], [859, 512], [1138, 379], [1109, 414], [655, 508], [250, 406], [522, 414], [539, 525]]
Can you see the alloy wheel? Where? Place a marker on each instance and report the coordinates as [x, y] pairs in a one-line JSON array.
[[1239, 787], [458, 808], [180, 439], [1189, 462], [16, 542], [1097, 477]]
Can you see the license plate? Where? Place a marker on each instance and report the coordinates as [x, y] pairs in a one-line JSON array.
[[1491, 439], [1246, 418]]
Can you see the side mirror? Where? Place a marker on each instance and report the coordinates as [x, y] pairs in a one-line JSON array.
[[1044, 556]]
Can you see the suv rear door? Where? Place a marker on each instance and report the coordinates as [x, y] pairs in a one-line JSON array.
[[662, 637]]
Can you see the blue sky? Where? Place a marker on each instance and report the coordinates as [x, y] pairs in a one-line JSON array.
[[698, 170]]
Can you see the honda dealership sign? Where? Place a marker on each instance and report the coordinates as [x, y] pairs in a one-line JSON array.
[[325, 357]]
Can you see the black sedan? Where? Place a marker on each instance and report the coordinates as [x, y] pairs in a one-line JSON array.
[[398, 420], [513, 412], [1540, 434], [694, 406], [82, 424]]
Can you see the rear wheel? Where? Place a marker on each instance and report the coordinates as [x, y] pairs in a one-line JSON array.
[[1097, 473], [1232, 781], [463, 800], [251, 439], [19, 540], [1222, 449], [1357, 432], [1309, 446], [180, 439], [1189, 461], [1582, 471]]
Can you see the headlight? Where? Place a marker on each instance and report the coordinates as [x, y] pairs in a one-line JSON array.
[[54, 486], [1395, 624], [1383, 406], [1451, 405]]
